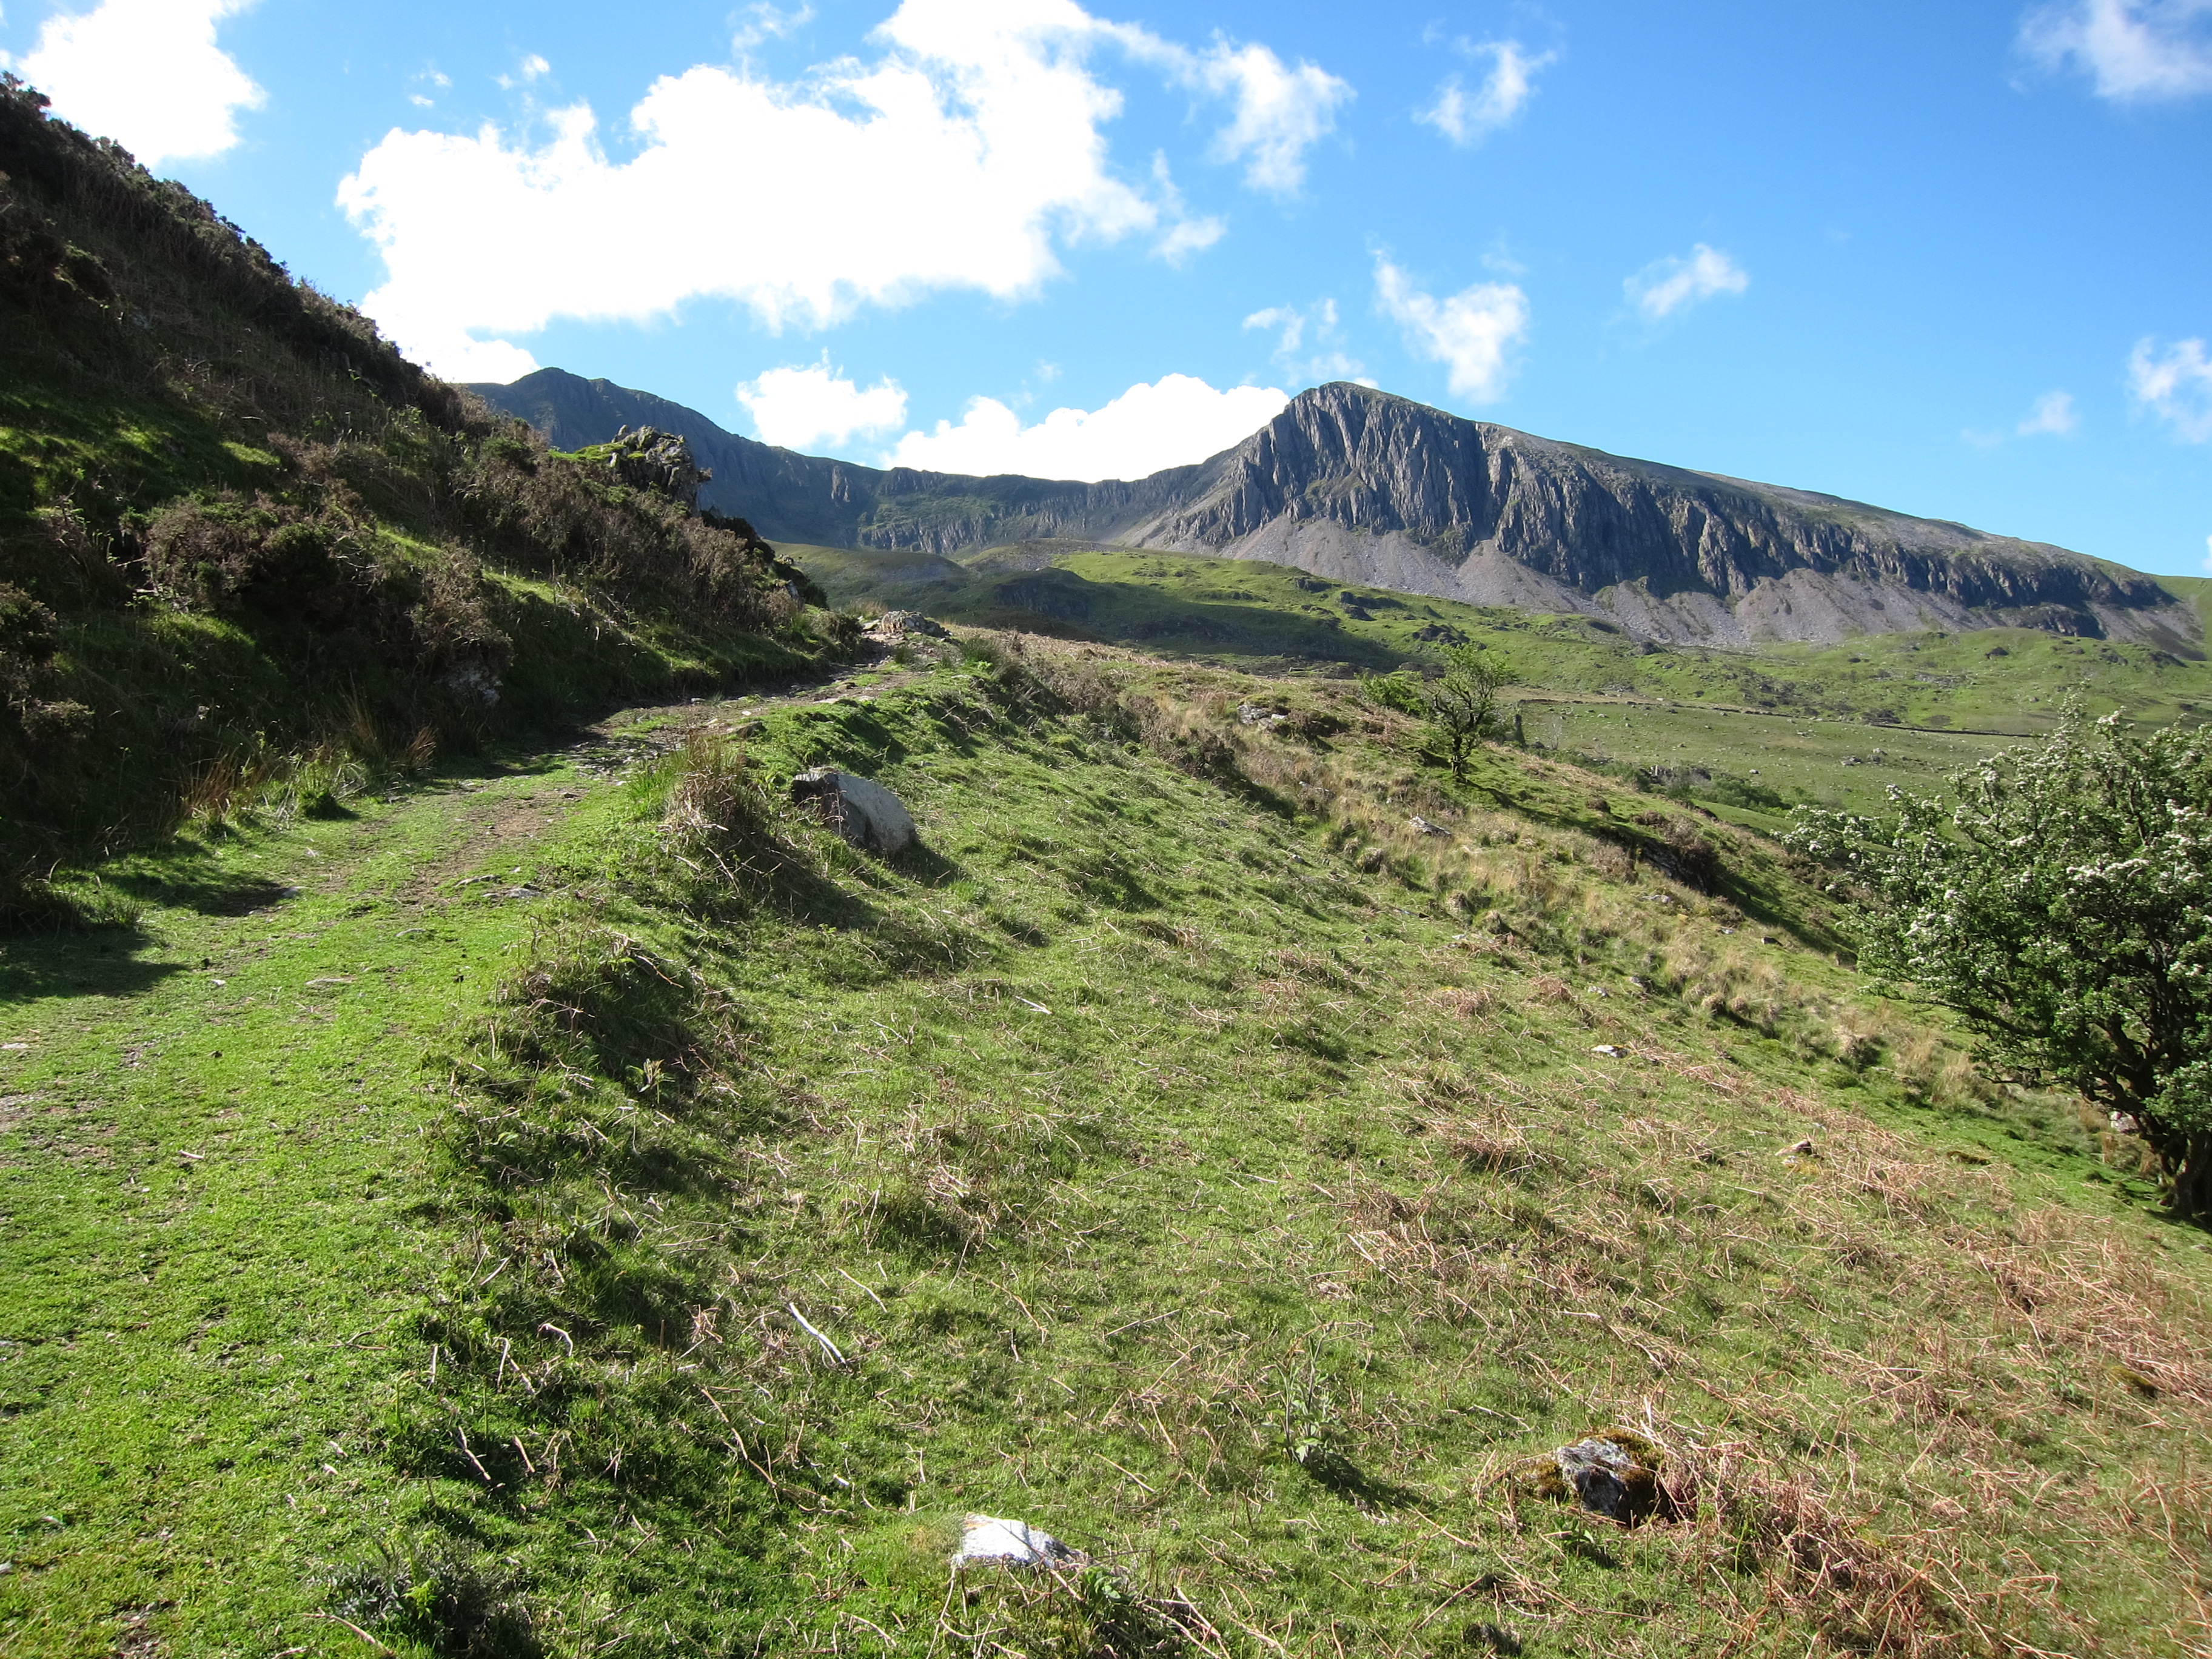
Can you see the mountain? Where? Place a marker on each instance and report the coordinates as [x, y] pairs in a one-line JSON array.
[[1357, 485]]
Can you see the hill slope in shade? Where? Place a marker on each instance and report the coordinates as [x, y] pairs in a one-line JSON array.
[[248, 550], [1353, 484]]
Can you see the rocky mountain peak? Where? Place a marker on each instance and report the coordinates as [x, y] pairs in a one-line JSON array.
[[1355, 484]]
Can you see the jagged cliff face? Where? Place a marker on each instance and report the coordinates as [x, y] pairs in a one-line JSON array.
[[1354, 483], [1357, 485]]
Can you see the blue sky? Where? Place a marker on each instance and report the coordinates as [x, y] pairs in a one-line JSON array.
[[1953, 259]]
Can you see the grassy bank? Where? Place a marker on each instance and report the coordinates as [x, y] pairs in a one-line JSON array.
[[1180, 1153]]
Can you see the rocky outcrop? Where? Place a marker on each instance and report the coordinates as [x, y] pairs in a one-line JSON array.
[[648, 459], [1355, 485]]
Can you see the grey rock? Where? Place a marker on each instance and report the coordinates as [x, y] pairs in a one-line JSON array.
[[477, 681], [649, 459], [863, 811], [895, 624], [1604, 1478]]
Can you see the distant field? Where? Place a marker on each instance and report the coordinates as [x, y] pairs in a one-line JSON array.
[[1831, 763], [1833, 723]]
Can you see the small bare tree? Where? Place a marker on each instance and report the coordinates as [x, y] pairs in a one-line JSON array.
[[1463, 704]]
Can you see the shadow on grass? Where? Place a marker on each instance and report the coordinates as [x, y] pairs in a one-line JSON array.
[[103, 964], [925, 863], [211, 893], [1334, 1472], [1061, 603]]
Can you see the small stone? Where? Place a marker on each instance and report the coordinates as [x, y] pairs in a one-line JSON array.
[[1614, 1473], [1421, 826], [987, 1539], [1599, 1471]]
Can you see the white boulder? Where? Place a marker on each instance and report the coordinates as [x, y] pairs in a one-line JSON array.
[[864, 812], [985, 1538]]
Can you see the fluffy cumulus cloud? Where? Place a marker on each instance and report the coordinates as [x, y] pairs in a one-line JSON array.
[[2175, 383], [964, 156], [802, 407], [1174, 422], [2132, 51], [1467, 116], [146, 73], [1281, 112], [1667, 286], [1471, 333]]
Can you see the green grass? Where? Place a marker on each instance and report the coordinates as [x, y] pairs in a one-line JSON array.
[[214, 1150], [1185, 1156]]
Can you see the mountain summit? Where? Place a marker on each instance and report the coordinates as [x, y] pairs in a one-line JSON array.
[[1357, 485]]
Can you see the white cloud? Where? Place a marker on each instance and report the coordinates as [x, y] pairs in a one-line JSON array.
[[1667, 286], [1327, 360], [1291, 320], [1279, 111], [962, 157], [2132, 51], [2053, 413], [1467, 118], [2175, 384], [532, 68], [1472, 332], [1184, 235], [2208, 554], [764, 21], [801, 407], [146, 73], [1176, 421], [498, 362]]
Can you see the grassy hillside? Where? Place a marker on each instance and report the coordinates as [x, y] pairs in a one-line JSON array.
[[1180, 1151], [246, 548]]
